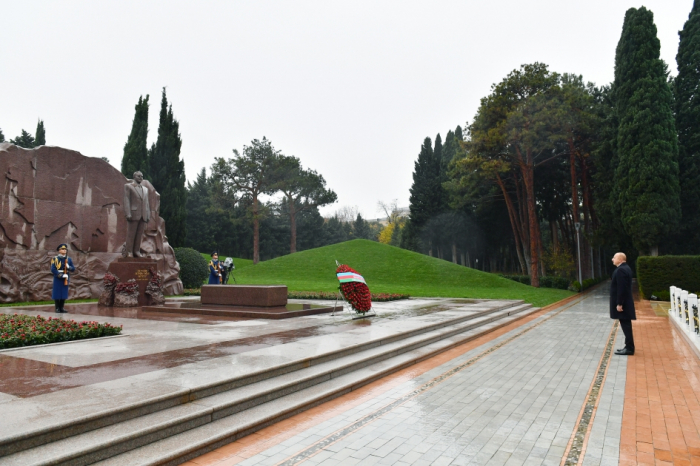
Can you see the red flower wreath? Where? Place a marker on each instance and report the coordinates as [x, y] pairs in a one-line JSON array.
[[355, 293]]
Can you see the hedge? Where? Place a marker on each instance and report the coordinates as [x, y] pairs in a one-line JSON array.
[[194, 269], [545, 282], [656, 275]]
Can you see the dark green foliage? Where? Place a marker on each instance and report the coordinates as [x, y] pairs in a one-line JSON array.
[[361, 229], [647, 174], [40, 137], [201, 221], [136, 149], [2, 136], [657, 274], [559, 283], [426, 194], [25, 140], [687, 109], [193, 267], [167, 174]]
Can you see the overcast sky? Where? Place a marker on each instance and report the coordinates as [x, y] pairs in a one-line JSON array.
[[351, 88]]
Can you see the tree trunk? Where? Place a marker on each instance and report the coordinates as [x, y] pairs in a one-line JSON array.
[[513, 223], [256, 232], [529, 181], [293, 227]]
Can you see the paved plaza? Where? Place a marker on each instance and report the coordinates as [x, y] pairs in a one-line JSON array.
[[528, 387]]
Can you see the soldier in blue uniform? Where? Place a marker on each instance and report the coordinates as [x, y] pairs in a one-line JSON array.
[[60, 277], [214, 269]]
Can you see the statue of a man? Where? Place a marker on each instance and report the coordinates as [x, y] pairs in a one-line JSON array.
[[138, 213]]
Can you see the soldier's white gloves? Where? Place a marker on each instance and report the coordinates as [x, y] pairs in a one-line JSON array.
[[65, 275]]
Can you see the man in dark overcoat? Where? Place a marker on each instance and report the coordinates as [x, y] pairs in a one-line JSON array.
[[621, 301]]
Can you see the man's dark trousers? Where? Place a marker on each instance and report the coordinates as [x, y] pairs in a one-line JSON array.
[[626, 325], [621, 295]]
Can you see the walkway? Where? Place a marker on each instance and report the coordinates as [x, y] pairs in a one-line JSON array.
[[515, 397]]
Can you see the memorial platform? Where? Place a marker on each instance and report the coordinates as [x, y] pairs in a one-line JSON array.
[[175, 386]]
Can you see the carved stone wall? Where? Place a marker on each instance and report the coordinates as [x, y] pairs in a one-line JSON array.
[[51, 196]]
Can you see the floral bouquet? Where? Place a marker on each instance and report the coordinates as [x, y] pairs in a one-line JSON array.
[[126, 294], [354, 289]]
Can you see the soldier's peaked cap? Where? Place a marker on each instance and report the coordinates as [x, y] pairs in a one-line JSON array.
[[215, 252], [62, 246]]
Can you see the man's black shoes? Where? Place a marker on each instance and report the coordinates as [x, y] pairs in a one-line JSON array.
[[624, 352], [61, 311]]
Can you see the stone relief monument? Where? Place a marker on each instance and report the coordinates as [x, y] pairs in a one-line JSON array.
[[52, 195]]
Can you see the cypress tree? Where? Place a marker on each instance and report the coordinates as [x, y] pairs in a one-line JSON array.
[[167, 174], [136, 149], [2, 136], [458, 133], [687, 106], [361, 228], [425, 199], [40, 137], [647, 174]]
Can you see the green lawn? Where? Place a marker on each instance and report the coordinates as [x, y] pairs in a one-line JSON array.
[[388, 269]]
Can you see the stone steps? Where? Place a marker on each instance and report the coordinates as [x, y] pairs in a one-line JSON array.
[[216, 414]]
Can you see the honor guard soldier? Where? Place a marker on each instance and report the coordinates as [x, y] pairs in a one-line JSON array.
[[214, 269], [61, 266]]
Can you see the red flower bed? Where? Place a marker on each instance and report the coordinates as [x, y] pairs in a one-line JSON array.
[[355, 293], [23, 330]]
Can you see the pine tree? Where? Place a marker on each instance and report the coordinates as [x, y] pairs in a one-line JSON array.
[[136, 149], [647, 174], [2, 136], [25, 140], [40, 137], [167, 174], [361, 228], [687, 103]]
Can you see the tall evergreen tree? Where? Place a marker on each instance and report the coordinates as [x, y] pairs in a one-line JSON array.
[[40, 137], [167, 174], [200, 234], [2, 136], [361, 228], [136, 148], [425, 199], [458, 133], [687, 101], [25, 140], [647, 174]]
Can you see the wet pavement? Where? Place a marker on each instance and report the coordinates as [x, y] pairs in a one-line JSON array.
[[155, 341], [543, 391]]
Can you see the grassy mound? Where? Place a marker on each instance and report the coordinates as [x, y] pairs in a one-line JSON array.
[[388, 269], [239, 263]]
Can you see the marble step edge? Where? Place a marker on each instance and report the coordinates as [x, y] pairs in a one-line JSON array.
[[32, 438], [151, 427], [192, 443]]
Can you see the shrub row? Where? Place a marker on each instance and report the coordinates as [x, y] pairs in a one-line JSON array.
[[545, 282], [589, 282], [656, 275], [22, 330]]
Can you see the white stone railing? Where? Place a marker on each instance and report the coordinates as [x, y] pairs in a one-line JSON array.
[[684, 311]]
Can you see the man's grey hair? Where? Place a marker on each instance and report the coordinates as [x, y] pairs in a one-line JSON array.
[[137, 173]]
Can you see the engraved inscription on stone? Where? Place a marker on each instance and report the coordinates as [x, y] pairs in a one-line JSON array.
[[142, 275]]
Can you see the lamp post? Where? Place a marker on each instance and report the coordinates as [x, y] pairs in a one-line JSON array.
[[578, 244]]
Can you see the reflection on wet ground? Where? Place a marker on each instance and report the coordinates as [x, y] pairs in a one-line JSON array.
[[25, 377]]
